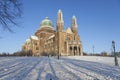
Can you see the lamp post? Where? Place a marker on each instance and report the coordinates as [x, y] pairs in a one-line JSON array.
[[115, 55], [58, 56], [58, 53], [93, 49]]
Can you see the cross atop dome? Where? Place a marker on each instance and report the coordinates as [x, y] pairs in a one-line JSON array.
[[46, 17]]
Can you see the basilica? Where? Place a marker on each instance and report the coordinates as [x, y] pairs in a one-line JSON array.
[[47, 40]]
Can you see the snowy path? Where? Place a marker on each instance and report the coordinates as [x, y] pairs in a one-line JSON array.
[[44, 68]]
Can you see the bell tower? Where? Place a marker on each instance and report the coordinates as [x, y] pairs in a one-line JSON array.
[[60, 22], [74, 25], [59, 32]]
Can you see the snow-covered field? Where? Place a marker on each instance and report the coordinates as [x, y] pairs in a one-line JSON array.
[[67, 68], [99, 59]]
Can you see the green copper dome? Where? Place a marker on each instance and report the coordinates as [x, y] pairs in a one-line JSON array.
[[46, 23]]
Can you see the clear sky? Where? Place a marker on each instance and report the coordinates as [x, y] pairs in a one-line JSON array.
[[98, 22]]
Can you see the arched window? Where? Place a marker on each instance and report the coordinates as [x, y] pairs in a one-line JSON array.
[[68, 38], [35, 43], [70, 48], [37, 48]]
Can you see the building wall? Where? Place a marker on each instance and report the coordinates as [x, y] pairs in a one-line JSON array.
[[62, 43]]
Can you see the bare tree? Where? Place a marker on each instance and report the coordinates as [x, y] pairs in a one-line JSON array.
[[10, 10]]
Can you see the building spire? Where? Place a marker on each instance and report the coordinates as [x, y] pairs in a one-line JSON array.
[[74, 22], [60, 16], [74, 25], [60, 22]]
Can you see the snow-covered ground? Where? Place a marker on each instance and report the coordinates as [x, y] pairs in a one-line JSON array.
[[99, 59], [67, 68]]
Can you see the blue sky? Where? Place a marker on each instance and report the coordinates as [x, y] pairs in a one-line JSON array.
[[98, 22]]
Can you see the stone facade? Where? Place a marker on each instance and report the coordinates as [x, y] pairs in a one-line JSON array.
[[59, 41]]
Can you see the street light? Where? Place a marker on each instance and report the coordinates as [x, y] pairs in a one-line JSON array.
[[58, 53], [115, 55], [58, 56], [93, 49]]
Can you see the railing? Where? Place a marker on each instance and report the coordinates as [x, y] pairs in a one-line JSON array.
[[73, 42]]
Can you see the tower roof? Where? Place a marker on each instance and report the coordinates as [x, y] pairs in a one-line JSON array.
[[60, 16], [74, 16], [68, 30], [34, 37], [46, 23], [74, 22], [27, 40], [59, 11]]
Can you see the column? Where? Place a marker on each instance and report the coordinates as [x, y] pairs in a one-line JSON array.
[[77, 50], [72, 50], [67, 48], [81, 54]]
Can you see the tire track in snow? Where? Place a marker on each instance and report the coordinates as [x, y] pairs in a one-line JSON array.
[[48, 71], [11, 70], [10, 61], [27, 69], [98, 68], [17, 71], [54, 76], [36, 72], [85, 72], [10, 66], [41, 69], [63, 71]]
